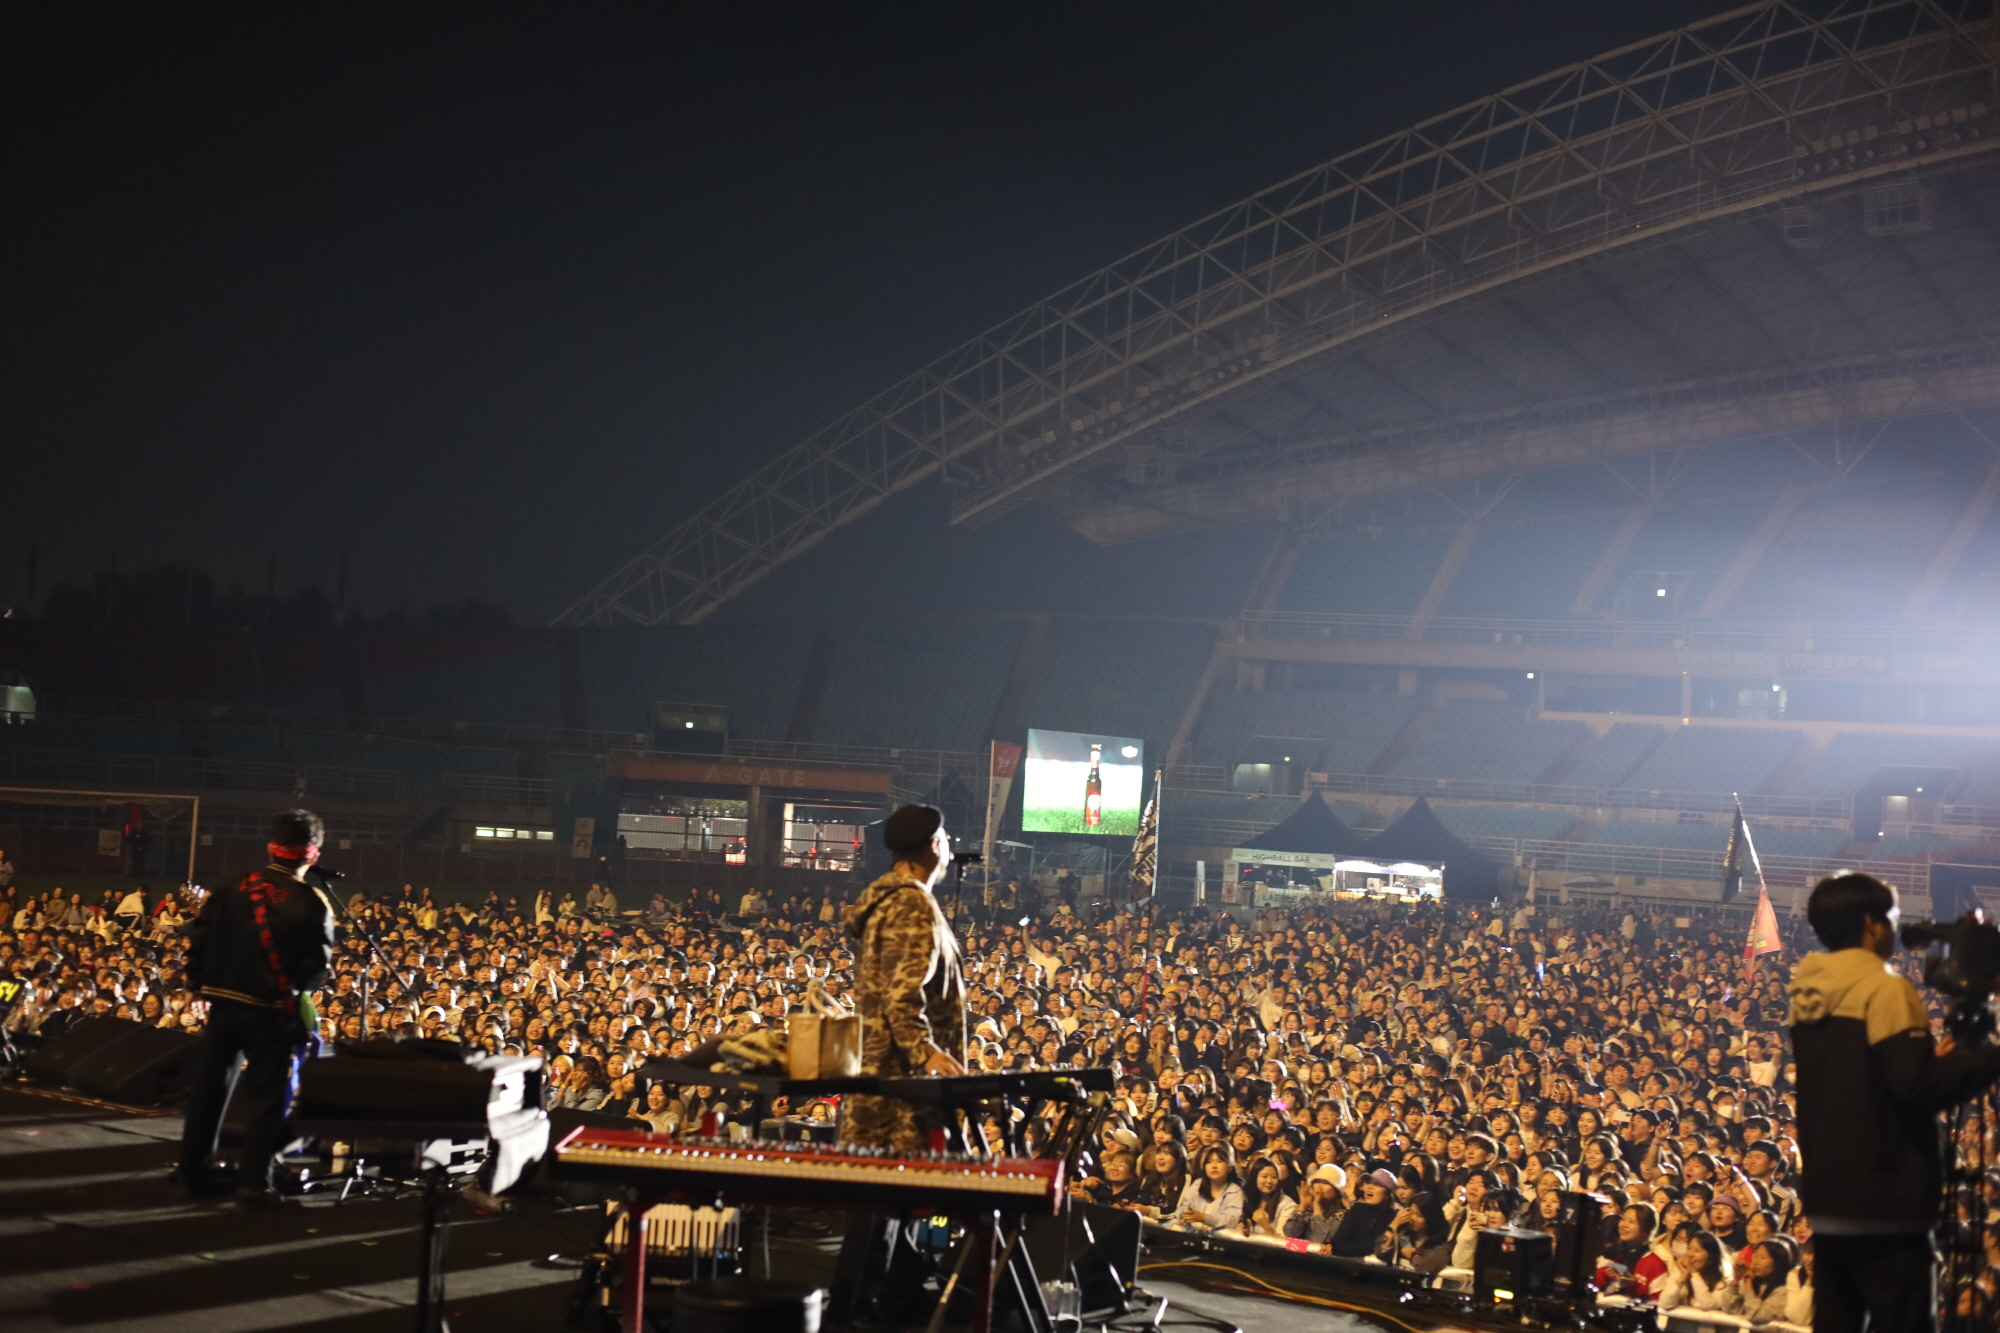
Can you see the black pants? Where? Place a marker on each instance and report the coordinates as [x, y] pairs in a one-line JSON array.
[[1876, 1284], [267, 1041]]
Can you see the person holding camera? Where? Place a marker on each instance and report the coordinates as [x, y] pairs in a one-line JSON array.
[[1870, 1085]]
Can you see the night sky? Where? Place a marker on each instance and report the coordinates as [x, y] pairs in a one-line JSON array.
[[486, 297]]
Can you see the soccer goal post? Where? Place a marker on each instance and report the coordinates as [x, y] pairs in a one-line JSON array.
[[71, 830]]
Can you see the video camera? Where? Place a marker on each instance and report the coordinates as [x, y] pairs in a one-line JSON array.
[[1962, 963]]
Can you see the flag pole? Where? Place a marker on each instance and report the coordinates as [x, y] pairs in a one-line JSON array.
[[1763, 937]]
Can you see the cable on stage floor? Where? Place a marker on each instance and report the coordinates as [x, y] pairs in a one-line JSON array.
[[1272, 1288]]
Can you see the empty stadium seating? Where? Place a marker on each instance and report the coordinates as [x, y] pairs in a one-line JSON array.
[[1698, 541], [1609, 759], [1771, 839], [927, 687], [1124, 679], [1383, 575], [1324, 730], [516, 687], [754, 669], [1484, 740], [1852, 554], [1530, 569], [1911, 846], [1498, 821], [1850, 759], [1715, 759]]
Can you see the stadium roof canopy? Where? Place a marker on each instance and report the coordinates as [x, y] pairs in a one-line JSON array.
[[1780, 222]]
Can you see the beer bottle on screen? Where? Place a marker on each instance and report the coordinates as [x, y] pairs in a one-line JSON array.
[[1093, 790]]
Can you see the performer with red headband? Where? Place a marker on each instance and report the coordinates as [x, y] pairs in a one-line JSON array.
[[255, 954]]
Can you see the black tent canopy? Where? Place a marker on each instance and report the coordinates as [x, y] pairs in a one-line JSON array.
[[1419, 835], [1312, 827]]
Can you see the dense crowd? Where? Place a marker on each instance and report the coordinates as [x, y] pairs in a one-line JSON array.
[[1378, 1081]]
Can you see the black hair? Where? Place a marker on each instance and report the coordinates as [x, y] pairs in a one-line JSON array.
[[298, 828], [1841, 907]]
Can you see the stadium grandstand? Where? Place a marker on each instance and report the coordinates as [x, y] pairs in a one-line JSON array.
[[1624, 444]]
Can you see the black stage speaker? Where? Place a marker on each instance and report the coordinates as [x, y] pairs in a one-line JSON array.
[[1508, 1262], [1098, 1246], [136, 1068], [1579, 1232], [51, 1062]]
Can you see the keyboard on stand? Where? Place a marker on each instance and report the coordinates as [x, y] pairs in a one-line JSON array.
[[807, 1174]]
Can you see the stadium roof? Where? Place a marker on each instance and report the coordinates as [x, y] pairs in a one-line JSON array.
[[1774, 223]]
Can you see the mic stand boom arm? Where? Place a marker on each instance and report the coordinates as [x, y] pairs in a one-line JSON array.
[[323, 882]]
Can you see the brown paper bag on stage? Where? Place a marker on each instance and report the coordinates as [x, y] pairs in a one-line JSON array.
[[822, 1046]]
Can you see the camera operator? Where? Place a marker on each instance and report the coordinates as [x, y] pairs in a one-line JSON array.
[[1870, 1085]]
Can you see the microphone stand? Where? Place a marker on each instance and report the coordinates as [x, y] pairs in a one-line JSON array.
[[324, 884]]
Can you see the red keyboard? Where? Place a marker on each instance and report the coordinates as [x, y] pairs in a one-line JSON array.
[[807, 1174]]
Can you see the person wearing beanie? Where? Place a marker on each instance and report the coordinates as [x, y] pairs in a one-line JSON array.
[[1360, 1232], [908, 986], [1319, 1218]]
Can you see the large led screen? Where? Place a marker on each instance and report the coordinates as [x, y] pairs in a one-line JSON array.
[[1079, 783]]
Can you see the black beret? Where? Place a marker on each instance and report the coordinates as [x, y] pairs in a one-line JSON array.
[[911, 829]]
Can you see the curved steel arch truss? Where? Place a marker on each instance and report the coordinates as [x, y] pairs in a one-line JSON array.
[[1769, 104]]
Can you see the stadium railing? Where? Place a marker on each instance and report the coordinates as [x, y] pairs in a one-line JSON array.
[[487, 789], [87, 766], [1535, 793], [490, 733], [1870, 641]]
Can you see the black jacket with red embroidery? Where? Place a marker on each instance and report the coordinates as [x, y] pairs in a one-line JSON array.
[[264, 940]]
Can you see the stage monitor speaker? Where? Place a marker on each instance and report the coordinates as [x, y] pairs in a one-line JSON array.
[[1579, 1230], [137, 1068], [1094, 1246], [51, 1062], [1508, 1262]]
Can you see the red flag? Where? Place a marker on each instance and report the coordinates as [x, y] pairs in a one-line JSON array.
[[1763, 935], [1002, 761]]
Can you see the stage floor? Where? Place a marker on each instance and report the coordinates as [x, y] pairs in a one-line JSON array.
[[92, 1238]]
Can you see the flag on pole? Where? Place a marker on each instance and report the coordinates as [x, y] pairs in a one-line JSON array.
[[1002, 761], [1764, 922], [1741, 849], [1763, 935], [1146, 847]]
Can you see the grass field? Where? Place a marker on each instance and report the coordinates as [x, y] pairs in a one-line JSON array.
[[1069, 819]]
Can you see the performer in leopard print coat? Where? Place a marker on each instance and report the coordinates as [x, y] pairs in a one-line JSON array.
[[908, 983]]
